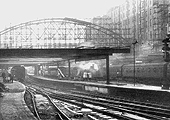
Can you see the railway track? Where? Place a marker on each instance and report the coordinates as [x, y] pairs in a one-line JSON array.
[[42, 106], [30, 101], [87, 112], [136, 105], [121, 110]]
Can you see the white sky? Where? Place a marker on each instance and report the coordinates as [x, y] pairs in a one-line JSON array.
[[13, 12]]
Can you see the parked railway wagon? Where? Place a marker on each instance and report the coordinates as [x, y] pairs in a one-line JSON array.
[[149, 73], [152, 73], [19, 73]]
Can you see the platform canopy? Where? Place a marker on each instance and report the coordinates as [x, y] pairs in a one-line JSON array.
[[34, 56]]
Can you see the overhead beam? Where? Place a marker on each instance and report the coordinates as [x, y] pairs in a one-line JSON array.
[[59, 53]]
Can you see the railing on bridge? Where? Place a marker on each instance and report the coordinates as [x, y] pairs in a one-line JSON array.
[[58, 33]]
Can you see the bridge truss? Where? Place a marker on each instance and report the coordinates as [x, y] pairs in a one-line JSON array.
[[58, 33]]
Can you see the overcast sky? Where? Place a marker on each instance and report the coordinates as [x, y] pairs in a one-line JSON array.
[[13, 12]]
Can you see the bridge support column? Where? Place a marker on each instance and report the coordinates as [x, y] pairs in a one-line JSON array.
[[69, 71], [36, 70], [107, 70]]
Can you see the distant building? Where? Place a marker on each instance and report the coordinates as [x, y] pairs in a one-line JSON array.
[[144, 21], [100, 38]]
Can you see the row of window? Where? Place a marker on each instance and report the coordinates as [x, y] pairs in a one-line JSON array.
[[138, 70]]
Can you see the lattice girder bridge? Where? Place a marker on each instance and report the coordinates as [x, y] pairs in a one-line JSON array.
[[58, 33]]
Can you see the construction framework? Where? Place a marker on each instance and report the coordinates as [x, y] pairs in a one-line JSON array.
[[160, 19]]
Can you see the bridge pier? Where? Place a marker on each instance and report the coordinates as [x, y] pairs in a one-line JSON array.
[[69, 71], [107, 70], [36, 70]]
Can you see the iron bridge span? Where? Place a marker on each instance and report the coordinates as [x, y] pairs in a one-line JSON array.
[[58, 33]]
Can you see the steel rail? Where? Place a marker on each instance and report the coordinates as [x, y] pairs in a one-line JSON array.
[[34, 104]]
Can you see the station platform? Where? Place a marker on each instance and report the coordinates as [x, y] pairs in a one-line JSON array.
[[112, 84], [12, 104], [130, 91]]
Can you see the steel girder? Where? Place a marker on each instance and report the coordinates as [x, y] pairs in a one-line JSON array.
[[58, 33]]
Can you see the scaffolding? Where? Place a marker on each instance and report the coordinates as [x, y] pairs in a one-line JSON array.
[[160, 22], [116, 20], [141, 21], [134, 19], [121, 21]]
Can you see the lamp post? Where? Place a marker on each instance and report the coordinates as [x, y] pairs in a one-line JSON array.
[[134, 46]]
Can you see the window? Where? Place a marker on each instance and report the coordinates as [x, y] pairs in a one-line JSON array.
[[160, 70], [149, 69], [138, 69], [143, 69], [126, 70], [154, 70], [150, 34]]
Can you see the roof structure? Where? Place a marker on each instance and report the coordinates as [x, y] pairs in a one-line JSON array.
[[31, 56]]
